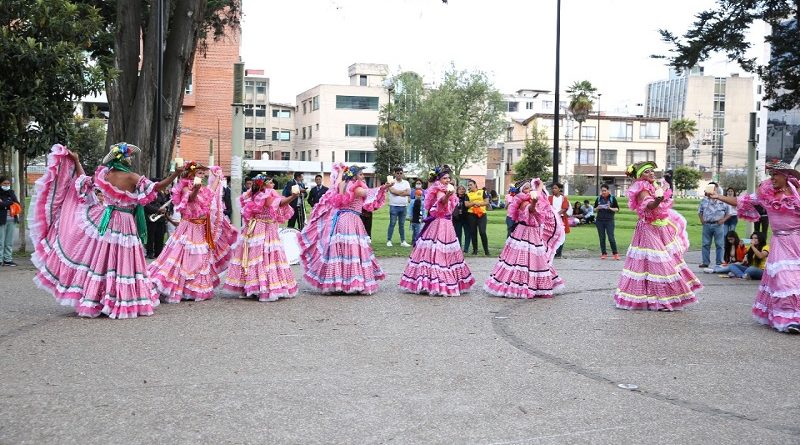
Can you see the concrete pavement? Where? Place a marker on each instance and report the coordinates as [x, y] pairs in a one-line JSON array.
[[399, 368]]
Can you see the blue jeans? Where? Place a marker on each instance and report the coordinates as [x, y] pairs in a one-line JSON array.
[[7, 232], [722, 269], [713, 231], [606, 228], [739, 270], [415, 229], [509, 224], [730, 224], [462, 228], [397, 213]]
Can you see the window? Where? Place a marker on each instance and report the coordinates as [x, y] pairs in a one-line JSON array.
[[261, 88], [189, 89], [304, 107], [317, 127], [261, 110], [316, 153], [529, 105], [513, 107], [261, 134], [588, 132], [621, 131], [281, 135], [248, 133], [333, 156], [758, 105], [650, 130], [586, 156], [303, 156], [758, 89], [719, 106], [634, 156], [547, 105], [248, 110], [248, 154], [356, 103], [608, 157], [304, 133], [315, 103], [282, 114], [309, 135], [359, 156], [509, 134], [359, 130], [286, 156], [362, 80]]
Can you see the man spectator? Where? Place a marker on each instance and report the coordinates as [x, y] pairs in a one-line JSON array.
[[226, 198], [299, 217], [668, 178], [248, 184], [606, 206], [713, 214], [587, 212], [315, 194], [560, 205], [399, 193]]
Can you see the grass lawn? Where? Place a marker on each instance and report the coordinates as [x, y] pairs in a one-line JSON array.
[[582, 238]]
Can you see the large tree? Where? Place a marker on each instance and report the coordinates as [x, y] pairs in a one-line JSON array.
[[537, 158], [686, 178], [455, 122], [131, 65], [45, 48], [723, 30]]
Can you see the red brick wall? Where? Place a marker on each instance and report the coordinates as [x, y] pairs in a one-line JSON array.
[[209, 106]]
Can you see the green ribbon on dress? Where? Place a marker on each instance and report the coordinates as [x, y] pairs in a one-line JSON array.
[[138, 212], [660, 222]]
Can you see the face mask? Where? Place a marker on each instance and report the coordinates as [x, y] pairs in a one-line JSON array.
[[6, 188], [419, 186]]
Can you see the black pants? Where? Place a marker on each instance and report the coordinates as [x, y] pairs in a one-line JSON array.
[[298, 219], [366, 219], [606, 227], [155, 237], [478, 225], [761, 225]]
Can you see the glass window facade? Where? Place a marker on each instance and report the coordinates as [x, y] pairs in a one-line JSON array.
[[356, 103], [650, 130], [281, 135], [359, 156], [359, 130]]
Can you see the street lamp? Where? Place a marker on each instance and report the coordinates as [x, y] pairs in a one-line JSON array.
[[558, 86], [597, 154]]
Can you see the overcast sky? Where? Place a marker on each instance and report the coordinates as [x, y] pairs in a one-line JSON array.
[[303, 43]]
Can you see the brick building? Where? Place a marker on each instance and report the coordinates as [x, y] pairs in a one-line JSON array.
[[207, 113]]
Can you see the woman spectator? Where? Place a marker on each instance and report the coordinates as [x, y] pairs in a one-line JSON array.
[[478, 200], [730, 223], [752, 268], [560, 205], [577, 213], [9, 218], [460, 221], [606, 207], [734, 253]]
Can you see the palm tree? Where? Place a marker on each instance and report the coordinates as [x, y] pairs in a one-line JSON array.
[[580, 105], [681, 131]]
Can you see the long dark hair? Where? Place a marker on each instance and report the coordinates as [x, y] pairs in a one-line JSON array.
[[762, 241], [731, 245]]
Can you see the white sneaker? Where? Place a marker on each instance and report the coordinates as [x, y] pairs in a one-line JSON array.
[[708, 270], [388, 244], [405, 244]]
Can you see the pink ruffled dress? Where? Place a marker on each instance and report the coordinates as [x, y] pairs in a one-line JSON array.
[[96, 274], [777, 303], [525, 268], [436, 265], [259, 267], [655, 276], [200, 249], [335, 249]]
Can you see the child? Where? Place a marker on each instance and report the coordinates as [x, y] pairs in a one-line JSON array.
[[416, 210]]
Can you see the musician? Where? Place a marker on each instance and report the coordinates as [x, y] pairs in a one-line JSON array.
[[157, 229], [299, 217]]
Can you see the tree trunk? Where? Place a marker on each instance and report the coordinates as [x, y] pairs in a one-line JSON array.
[[132, 94], [23, 181]]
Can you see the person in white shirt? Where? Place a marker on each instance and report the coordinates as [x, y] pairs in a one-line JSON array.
[[398, 202]]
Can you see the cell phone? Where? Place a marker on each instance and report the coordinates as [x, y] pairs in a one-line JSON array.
[[197, 180]]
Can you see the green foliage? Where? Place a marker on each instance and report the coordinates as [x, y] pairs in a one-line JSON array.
[[536, 161], [681, 130], [389, 154], [88, 139], [686, 178], [580, 104], [737, 181], [579, 184], [724, 30], [454, 123]]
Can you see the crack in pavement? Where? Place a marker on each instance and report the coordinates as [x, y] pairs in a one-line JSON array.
[[502, 328]]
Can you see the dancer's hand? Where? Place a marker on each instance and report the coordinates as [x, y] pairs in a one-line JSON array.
[[74, 156]]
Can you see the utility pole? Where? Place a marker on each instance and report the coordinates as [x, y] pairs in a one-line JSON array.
[[237, 141], [557, 98], [751, 162]]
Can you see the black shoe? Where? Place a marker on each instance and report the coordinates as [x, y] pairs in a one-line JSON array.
[[793, 329], [474, 252], [703, 266], [9, 263]]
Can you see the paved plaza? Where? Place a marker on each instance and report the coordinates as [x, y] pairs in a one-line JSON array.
[[399, 368]]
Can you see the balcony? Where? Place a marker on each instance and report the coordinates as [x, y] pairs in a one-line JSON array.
[[590, 169]]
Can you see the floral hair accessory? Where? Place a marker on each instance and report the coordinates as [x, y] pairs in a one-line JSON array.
[[121, 152], [350, 172], [261, 179]]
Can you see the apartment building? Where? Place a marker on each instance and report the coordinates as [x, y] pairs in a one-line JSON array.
[[622, 140], [721, 106], [268, 126]]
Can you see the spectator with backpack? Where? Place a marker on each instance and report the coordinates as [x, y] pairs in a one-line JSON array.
[[606, 206]]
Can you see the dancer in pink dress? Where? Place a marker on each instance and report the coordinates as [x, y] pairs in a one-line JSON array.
[[335, 250], [525, 268], [436, 265], [89, 251], [199, 250], [655, 277], [778, 299], [259, 267]]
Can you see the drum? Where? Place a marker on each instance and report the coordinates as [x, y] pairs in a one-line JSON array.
[[291, 247]]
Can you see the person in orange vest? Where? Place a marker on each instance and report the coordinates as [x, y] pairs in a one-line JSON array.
[[560, 204], [9, 218]]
